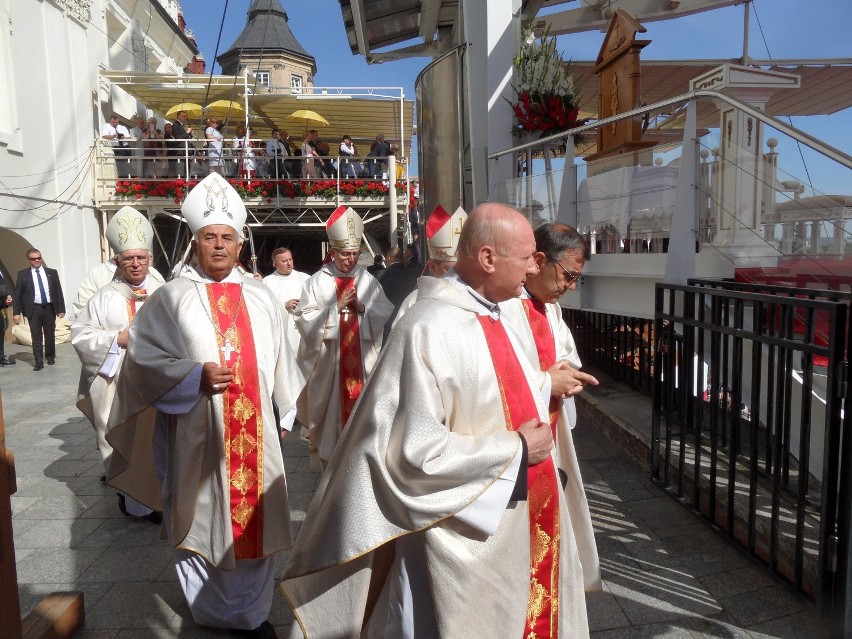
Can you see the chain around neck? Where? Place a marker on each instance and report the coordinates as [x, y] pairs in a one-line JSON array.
[[209, 312]]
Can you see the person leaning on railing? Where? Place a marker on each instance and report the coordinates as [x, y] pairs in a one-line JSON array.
[[118, 135], [349, 168]]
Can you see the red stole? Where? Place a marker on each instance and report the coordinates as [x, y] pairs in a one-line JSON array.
[[351, 376], [140, 295], [242, 416], [545, 346], [543, 486]]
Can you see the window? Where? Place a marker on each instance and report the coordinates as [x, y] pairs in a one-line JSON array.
[[296, 83], [262, 77]]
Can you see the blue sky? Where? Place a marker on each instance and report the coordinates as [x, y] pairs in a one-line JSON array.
[[791, 29]]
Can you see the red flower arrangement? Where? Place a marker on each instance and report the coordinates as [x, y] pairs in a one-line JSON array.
[[548, 114], [544, 89], [286, 189]]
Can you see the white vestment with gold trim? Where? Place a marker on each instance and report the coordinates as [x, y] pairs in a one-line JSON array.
[[385, 543], [169, 340], [566, 456], [319, 355]]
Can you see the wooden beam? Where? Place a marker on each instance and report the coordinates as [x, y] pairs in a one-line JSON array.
[[57, 616], [10, 610]]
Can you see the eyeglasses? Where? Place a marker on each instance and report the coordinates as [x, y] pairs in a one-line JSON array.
[[569, 275], [134, 258], [35, 259]]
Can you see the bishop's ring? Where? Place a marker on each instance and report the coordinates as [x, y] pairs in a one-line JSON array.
[[215, 387]]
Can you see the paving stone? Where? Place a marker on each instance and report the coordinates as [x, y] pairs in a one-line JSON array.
[[119, 564], [737, 582], [138, 605], [807, 625], [762, 605], [55, 565], [124, 532], [661, 595], [63, 506], [56, 533], [604, 612]]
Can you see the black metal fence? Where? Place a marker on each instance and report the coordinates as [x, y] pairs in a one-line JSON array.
[[619, 345], [749, 424]]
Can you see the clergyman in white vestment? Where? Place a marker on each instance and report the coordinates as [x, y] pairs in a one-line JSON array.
[[210, 353], [560, 255], [440, 514], [100, 331], [287, 283], [343, 311]]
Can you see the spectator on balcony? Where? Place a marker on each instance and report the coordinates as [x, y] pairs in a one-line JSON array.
[[348, 168], [214, 146], [118, 135], [400, 168], [309, 169], [245, 152], [154, 150], [379, 149], [278, 150], [326, 163], [137, 147], [183, 131], [173, 150]]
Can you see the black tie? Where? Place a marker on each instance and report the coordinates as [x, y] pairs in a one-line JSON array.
[[41, 286]]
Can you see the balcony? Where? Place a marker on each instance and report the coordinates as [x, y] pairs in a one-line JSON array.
[[275, 193]]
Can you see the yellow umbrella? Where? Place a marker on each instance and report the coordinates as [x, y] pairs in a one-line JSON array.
[[192, 110], [223, 108], [308, 117]]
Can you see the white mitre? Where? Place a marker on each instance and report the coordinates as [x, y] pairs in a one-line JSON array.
[[442, 233], [345, 229], [128, 230], [214, 201]]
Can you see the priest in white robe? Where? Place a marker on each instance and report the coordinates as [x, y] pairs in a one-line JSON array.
[[210, 353], [442, 238], [100, 332], [99, 277], [561, 253], [287, 283], [441, 514], [343, 313]]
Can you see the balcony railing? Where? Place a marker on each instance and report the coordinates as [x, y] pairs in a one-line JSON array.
[[162, 175]]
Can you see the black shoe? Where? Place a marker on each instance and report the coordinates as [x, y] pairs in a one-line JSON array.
[[103, 477], [121, 506], [5, 361], [51, 361], [263, 631], [155, 517], [38, 366]]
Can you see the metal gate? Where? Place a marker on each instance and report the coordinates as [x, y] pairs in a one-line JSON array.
[[749, 426]]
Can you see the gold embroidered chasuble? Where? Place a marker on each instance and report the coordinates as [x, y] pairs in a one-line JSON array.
[[422, 446], [223, 445], [319, 323], [109, 311], [514, 313]]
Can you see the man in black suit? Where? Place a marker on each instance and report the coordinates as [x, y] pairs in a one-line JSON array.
[[38, 295], [398, 280], [181, 130], [379, 149], [5, 300]]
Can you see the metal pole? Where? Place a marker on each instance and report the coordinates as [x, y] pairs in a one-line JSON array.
[[393, 201]]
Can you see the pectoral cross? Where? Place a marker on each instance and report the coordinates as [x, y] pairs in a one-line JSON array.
[[345, 311], [227, 349]]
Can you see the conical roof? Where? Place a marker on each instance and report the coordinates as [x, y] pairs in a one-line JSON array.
[[267, 30]]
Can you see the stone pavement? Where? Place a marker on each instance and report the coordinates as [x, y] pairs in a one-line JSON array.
[[665, 573]]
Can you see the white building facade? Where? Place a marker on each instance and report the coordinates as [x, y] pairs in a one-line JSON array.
[[52, 107]]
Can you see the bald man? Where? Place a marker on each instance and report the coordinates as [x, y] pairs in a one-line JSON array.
[[441, 513]]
